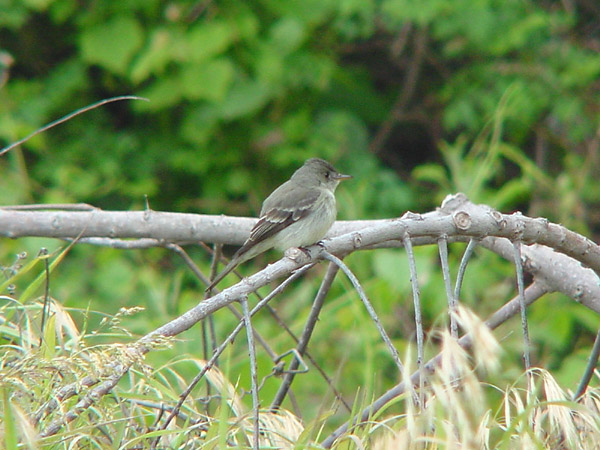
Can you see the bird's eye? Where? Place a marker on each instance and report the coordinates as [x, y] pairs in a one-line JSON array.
[[328, 175]]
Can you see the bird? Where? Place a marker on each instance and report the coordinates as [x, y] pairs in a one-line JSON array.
[[296, 214]]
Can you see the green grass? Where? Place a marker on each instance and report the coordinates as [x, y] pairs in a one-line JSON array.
[[468, 403]]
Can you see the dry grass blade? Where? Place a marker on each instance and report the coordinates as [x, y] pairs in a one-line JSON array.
[[278, 429]]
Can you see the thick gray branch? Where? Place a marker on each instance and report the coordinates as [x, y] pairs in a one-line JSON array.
[[458, 219]]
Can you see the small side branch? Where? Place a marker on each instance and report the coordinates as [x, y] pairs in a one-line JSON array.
[[463, 267], [522, 306], [414, 281], [311, 322], [253, 371], [452, 301], [368, 306], [531, 294], [589, 370]]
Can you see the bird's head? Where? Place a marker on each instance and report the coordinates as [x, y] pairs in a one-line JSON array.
[[320, 172]]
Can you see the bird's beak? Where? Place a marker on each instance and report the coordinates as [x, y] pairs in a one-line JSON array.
[[341, 177]]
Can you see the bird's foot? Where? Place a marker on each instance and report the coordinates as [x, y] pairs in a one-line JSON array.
[[321, 244], [296, 253], [305, 251]]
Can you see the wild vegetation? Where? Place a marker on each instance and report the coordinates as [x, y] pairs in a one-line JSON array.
[[417, 100]]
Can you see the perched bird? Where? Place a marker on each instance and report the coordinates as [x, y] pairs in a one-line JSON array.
[[296, 214]]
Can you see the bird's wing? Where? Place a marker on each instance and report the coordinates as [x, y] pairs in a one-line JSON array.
[[275, 218]]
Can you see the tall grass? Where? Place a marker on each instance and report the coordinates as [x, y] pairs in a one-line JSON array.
[[460, 408]]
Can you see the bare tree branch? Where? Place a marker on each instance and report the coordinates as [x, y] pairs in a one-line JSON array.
[[311, 322], [551, 253], [457, 218], [531, 294]]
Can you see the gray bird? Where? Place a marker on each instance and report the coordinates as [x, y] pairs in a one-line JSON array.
[[296, 214]]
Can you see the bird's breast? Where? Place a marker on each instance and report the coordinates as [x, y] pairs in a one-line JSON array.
[[311, 228]]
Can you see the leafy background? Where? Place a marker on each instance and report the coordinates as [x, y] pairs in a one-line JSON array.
[[499, 99]]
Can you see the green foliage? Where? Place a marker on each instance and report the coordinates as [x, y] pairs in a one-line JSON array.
[[264, 85], [466, 393], [242, 92], [112, 44]]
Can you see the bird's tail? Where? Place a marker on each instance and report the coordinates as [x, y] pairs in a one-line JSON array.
[[247, 251], [243, 254], [228, 268]]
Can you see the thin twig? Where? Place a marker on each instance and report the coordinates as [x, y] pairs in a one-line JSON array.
[[70, 116], [194, 268], [521, 288], [306, 334], [287, 329], [508, 310], [202, 423], [120, 244], [463, 267], [253, 370], [210, 319], [213, 272], [308, 356], [589, 369], [46, 307], [414, 281], [452, 304], [52, 207], [206, 349], [188, 261], [217, 254], [183, 396], [363, 296]]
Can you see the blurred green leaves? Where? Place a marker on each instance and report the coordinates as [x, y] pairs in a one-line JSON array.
[[112, 44], [209, 81], [266, 85]]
